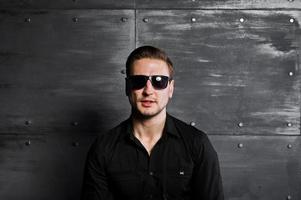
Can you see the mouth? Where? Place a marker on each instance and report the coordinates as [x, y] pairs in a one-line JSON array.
[[147, 103]]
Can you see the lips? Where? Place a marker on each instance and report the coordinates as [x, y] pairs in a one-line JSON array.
[[147, 103]]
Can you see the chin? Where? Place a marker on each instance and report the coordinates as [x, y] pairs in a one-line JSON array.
[[148, 113]]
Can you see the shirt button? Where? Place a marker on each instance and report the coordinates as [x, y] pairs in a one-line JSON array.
[[151, 173]]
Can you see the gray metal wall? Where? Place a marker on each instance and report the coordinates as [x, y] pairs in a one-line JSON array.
[[62, 82]]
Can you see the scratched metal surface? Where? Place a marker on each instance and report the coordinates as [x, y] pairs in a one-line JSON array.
[[60, 81], [155, 4], [219, 4], [61, 70], [263, 168], [232, 67], [51, 166], [67, 4]]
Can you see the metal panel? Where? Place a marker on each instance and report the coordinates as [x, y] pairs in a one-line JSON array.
[[218, 4], [237, 72], [86, 4], [153, 4], [260, 167], [61, 70], [49, 168]]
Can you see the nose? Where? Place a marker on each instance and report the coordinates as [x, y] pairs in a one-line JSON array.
[[148, 89]]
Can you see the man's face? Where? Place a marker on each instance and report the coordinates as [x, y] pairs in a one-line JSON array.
[[149, 101]]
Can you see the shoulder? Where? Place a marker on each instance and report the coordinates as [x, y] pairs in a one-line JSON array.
[[105, 141], [188, 131], [196, 140]]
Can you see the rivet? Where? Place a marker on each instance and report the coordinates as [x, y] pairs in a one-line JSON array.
[[240, 124], [289, 124], [75, 144], [74, 123], [145, 20], [289, 146], [240, 145], [193, 19], [27, 19], [27, 143], [124, 19], [289, 197], [192, 124], [193, 0], [291, 73], [241, 20], [75, 19], [28, 122], [292, 20], [122, 71], [290, 0]]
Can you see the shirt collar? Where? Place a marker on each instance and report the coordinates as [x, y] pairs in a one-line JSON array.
[[169, 127]]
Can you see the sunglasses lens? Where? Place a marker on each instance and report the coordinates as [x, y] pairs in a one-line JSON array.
[[159, 82], [137, 82]]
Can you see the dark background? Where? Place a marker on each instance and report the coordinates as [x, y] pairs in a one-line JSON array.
[[238, 78]]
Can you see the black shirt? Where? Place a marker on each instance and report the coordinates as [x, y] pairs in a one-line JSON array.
[[183, 165]]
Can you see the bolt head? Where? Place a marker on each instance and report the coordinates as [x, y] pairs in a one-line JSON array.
[[27, 19], [74, 123], [124, 19], [75, 144], [27, 143], [192, 123], [28, 122], [75, 19]]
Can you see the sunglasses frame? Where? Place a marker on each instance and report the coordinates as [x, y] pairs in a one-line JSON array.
[[146, 78]]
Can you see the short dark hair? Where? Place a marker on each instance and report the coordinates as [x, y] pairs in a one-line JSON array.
[[148, 52]]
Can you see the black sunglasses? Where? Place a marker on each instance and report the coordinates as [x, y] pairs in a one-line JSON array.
[[137, 82]]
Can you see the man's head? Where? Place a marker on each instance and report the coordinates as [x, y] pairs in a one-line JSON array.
[[149, 82], [148, 52]]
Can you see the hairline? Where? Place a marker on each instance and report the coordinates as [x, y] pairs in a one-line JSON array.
[[170, 67]]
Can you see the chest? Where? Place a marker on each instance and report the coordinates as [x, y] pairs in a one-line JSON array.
[[133, 173]]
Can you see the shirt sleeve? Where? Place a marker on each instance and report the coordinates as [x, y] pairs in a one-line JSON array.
[[95, 184], [206, 181]]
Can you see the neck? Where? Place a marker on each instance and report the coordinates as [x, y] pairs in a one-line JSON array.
[[151, 128]]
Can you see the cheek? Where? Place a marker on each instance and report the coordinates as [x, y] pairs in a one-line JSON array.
[[134, 96], [170, 90], [165, 97]]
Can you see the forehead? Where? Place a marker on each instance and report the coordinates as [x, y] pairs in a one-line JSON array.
[[150, 66]]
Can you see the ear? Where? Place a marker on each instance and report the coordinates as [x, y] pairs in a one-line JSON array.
[[127, 87], [171, 88]]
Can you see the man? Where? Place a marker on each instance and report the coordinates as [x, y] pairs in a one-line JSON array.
[[151, 155]]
